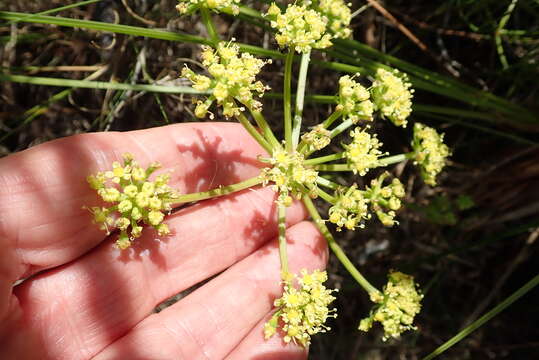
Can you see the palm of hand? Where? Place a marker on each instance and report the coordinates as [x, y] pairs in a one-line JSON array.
[[85, 299]]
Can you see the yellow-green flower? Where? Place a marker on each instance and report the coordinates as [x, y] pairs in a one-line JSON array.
[[385, 200], [233, 78], [189, 6], [289, 176], [397, 306], [338, 14], [363, 152], [353, 100], [299, 27], [318, 138], [302, 311], [133, 198], [392, 95], [350, 209], [430, 152]]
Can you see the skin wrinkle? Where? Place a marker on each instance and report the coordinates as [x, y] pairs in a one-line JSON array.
[[187, 329]]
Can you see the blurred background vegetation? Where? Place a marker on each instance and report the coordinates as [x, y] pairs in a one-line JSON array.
[[470, 242]]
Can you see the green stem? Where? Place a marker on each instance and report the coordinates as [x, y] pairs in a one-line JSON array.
[[331, 119], [287, 99], [220, 191], [342, 126], [324, 195], [264, 126], [89, 84], [208, 23], [324, 159], [483, 319], [327, 183], [337, 250], [333, 167], [300, 97], [283, 256], [254, 133], [394, 159]]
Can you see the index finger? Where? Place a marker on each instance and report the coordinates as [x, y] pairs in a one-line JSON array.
[[43, 189]]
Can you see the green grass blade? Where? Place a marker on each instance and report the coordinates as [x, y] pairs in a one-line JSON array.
[[47, 81], [483, 319], [58, 9], [102, 26]]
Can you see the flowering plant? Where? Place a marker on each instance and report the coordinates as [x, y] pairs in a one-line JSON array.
[[291, 171]]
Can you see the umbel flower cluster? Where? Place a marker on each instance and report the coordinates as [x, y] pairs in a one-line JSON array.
[[302, 310], [310, 26], [430, 152], [354, 100], [232, 79], [392, 95], [352, 205], [289, 176], [396, 307], [189, 6], [133, 199]]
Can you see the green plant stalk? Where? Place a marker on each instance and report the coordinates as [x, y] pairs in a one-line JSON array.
[[494, 102], [287, 94], [28, 17], [100, 84], [210, 27], [302, 147], [220, 191], [324, 159], [498, 38], [340, 128], [333, 117], [254, 133], [394, 159], [483, 319], [283, 255], [300, 97], [264, 126], [324, 195], [327, 183], [337, 250]]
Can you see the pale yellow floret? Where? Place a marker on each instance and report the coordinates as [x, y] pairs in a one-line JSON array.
[[303, 310], [233, 79], [289, 175], [397, 306], [385, 200], [353, 100], [339, 16], [188, 6], [318, 138], [350, 209], [430, 152], [392, 96], [134, 198], [363, 152], [299, 27]]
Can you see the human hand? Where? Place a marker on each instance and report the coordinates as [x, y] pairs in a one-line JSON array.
[[85, 299]]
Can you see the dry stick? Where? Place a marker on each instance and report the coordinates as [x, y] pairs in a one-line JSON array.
[[410, 35], [136, 16]]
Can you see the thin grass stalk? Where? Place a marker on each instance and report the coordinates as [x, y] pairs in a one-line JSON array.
[[485, 318]]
